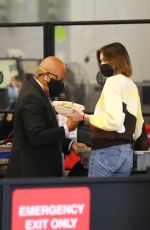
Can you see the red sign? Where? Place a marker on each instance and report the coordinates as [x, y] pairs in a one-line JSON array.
[[51, 208]]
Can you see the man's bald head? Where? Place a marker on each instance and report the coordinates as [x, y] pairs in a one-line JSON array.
[[52, 65]]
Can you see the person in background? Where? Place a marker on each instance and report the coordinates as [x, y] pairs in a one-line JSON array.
[[38, 140], [13, 91], [6, 125], [117, 120], [28, 76]]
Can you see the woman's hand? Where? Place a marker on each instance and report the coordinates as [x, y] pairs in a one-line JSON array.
[[76, 115]]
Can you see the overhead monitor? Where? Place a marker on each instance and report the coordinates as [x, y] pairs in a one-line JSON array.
[[29, 65], [1, 77], [8, 67]]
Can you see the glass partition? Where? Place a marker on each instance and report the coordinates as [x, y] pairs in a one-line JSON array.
[[77, 45], [26, 40], [20, 53]]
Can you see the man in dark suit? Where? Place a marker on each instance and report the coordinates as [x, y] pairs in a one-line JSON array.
[[38, 140]]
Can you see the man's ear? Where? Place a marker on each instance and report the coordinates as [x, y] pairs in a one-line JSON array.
[[46, 78]]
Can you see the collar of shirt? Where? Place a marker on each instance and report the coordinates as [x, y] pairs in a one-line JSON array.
[[39, 84]]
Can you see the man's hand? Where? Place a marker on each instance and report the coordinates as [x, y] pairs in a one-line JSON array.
[[77, 147], [71, 124]]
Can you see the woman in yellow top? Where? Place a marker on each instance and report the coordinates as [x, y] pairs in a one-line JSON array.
[[117, 119]]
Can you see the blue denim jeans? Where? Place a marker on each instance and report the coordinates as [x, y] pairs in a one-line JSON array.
[[112, 161]]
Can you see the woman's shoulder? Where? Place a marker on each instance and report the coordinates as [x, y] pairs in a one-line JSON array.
[[122, 79], [116, 79], [121, 82]]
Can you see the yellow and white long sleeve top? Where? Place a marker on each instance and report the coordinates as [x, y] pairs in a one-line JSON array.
[[117, 118]]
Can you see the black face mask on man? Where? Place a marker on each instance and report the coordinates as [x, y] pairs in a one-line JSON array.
[[55, 87], [106, 71]]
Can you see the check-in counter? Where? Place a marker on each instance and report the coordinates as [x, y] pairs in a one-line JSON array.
[[4, 158], [141, 161]]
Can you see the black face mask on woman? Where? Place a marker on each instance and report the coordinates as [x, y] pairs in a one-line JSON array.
[[105, 71], [55, 87]]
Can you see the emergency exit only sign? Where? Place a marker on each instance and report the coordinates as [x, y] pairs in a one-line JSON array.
[[51, 208]]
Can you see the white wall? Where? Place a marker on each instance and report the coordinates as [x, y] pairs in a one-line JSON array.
[[23, 10], [109, 9]]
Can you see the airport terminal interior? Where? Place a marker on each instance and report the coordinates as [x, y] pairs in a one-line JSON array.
[[73, 31]]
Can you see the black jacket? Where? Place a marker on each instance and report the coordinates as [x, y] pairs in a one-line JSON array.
[[37, 142]]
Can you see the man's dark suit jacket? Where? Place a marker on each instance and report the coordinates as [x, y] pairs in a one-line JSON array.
[[37, 142]]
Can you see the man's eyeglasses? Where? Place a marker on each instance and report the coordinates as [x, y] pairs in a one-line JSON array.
[[50, 75], [56, 77]]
